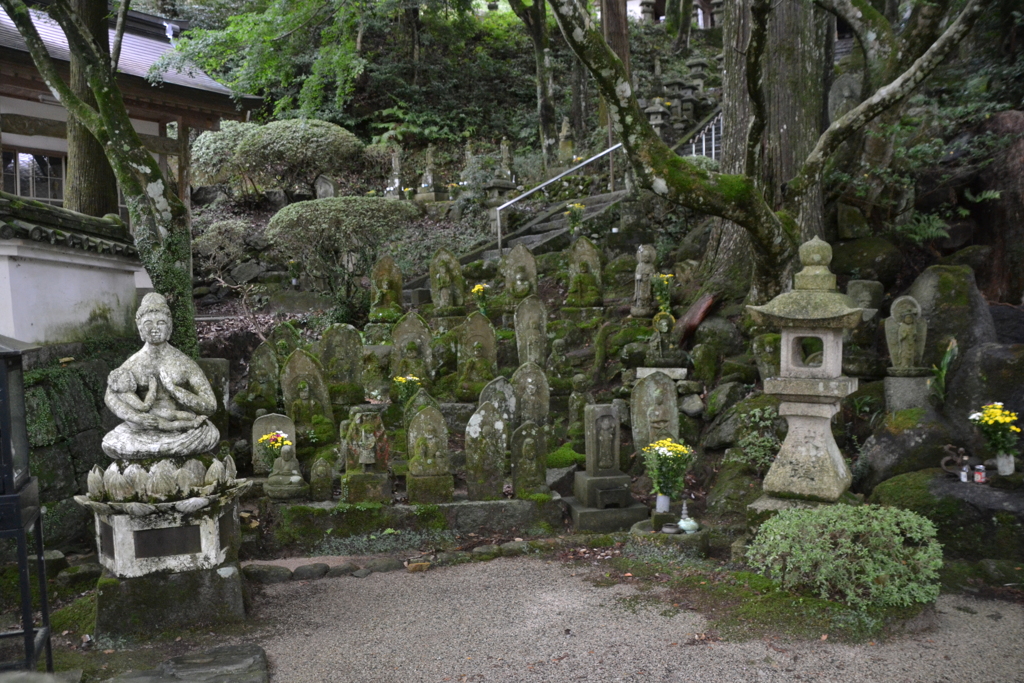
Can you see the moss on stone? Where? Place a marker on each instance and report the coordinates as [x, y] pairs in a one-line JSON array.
[[964, 531], [346, 394], [79, 617], [565, 456], [430, 518], [902, 420], [705, 363]]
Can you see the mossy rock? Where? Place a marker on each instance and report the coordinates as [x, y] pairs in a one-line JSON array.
[[728, 429], [705, 358], [689, 429], [985, 373], [971, 521], [721, 333], [735, 487], [628, 332], [954, 309], [907, 441], [869, 258], [766, 349], [722, 397], [346, 394]]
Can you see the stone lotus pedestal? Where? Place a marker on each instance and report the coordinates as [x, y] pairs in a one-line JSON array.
[[170, 564], [809, 465]]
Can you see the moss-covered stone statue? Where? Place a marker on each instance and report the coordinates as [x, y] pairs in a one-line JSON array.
[[385, 291], [285, 481]]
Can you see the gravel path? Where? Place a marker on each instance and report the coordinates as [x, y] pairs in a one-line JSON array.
[[526, 619]]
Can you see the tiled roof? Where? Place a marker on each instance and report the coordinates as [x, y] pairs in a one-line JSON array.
[[138, 53]]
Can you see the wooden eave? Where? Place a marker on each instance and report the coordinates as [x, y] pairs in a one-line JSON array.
[[146, 101]]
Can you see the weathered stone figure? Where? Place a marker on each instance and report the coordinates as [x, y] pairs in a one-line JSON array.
[[500, 394], [905, 333], [385, 291], [307, 398], [519, 269], [321, 479], [447, 285], [411, 353], [429, 479], [285, 480], [643, 297], [661, 351], [531, 320], [533, 397], [654, 410], [607, 442], [175, 423], [264, 384], [340, 351], [529, 460], [584, 275], [486, 436]]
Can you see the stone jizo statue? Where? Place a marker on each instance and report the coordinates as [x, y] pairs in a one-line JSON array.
[[170, 420], [661, 352], [285, 480], [643, 296], [905, 334]]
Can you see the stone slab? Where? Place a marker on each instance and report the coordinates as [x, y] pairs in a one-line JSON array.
[[904, 393], [246, 663], [698, 542], [159, 602], [674, 373], [607, 520]]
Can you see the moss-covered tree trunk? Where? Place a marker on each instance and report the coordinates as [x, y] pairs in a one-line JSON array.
[[90, 186], [160, 221], [534, 16], [773, 232]]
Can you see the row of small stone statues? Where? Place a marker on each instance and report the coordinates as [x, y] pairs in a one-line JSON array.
[[508, 430], [519, 272]]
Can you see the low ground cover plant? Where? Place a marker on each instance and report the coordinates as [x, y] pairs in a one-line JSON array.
[[865, 556]]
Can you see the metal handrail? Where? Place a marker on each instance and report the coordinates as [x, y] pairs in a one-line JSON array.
[[497, 216]]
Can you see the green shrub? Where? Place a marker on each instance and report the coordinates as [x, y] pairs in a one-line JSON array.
[[760, 445], [338, 237], [865, 556], [213, 153], [291, 154]]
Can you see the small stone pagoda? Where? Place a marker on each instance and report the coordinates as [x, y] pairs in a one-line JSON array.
[[810, 383]]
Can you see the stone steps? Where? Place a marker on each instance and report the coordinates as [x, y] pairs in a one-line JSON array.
[[545, 233]]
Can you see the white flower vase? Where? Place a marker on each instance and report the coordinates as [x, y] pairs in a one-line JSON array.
[[1005, 464], [661, 504]]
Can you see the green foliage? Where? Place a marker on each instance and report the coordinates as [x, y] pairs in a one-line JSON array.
[[667, 463], [760, 445], [865, 556], [339, 237], [213, 154], [921, 228], [565, 457], [940, 371], [291, 154]]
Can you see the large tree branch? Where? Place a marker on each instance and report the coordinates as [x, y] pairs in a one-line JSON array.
[[79, 36], [655, 165], [20, 15], [874, 34], [115, 49], [759, 11], [883, 98]]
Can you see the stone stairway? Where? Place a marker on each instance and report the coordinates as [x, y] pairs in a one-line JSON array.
[[547, 232]]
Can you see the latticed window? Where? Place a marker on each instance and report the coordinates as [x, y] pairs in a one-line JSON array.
[[38, 176]]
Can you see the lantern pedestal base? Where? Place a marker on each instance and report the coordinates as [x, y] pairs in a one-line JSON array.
[[905, 393], [159, 602]]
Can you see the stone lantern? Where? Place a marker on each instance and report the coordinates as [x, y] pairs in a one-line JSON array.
[[647, 11], [809, 464], [717, 12], [688, 107], [657, 115], [674, 86]]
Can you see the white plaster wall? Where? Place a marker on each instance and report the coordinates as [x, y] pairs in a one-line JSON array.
[[56, 294]]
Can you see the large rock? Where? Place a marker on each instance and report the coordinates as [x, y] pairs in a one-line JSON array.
[[728, 429], [908, 441], [954, 308], [1009, 322], [972, 521], [986, 373], [735, 487], [869, 258], [720, 333]]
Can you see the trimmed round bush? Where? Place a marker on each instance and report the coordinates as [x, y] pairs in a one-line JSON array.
[[865, 556], [338, 237], [213, 153], [292, 153]]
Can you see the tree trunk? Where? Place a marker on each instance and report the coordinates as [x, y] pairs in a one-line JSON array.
[[159, 219], [90, 186], [534, 17], [578, 110], [681, 44]]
